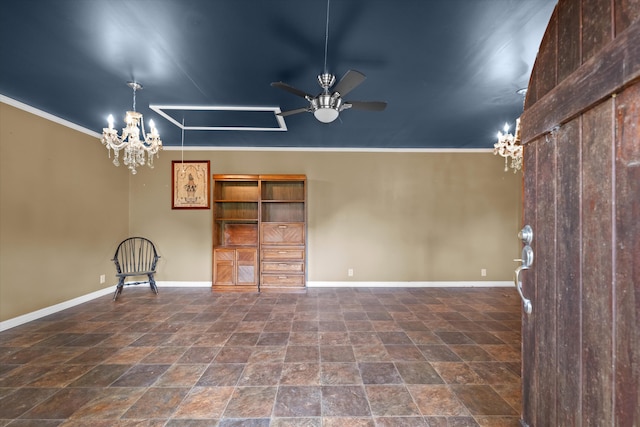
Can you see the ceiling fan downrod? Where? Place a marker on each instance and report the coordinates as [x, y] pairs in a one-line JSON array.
[[326, 39]]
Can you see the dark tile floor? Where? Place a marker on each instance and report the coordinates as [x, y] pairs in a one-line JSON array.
[[398, 357]]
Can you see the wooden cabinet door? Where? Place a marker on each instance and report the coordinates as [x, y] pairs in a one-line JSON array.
[[282, 234], [247, 266], [224, 267]]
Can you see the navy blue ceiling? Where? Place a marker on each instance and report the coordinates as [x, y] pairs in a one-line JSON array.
[[449, 69]]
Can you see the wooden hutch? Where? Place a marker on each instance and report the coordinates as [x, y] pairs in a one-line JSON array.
[[259, 233]]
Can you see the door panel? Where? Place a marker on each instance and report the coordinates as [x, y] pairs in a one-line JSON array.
[[627, 250], [597, 266], [282, 233], [529, 345], [247, 266], [545, 303], [568, 273]]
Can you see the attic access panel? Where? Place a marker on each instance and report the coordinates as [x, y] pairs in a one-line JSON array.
[[222, 117]]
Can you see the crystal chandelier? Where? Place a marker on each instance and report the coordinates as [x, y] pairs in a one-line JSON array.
[[508, 146], [137, 152]]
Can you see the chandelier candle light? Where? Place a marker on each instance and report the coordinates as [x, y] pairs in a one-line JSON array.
[[137, 152], [508, 146]]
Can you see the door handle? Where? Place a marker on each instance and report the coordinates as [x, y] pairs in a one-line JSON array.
[[526, 260], [526, 303], [527, 256]]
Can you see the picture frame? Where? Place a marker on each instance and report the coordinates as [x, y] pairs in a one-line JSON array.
[[190, 184]]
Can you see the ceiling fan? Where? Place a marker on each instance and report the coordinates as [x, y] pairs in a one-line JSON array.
[[327, 105]]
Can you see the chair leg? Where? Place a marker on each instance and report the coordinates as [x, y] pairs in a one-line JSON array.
[[152, 283], [119, 287]]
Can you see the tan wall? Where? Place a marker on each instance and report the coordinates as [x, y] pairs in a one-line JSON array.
[[392, 217], [63, 207]]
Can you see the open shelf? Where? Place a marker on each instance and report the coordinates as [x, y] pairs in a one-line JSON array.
[[283, 191], [235, 211], [234, 191], [282, 211]]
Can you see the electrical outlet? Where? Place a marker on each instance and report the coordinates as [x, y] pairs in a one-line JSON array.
[[483, 272], [103, 278], [350, 272]]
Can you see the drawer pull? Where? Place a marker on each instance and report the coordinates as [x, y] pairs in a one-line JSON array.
[[283, 265], [282, 252], [282, 226], [282, 277]]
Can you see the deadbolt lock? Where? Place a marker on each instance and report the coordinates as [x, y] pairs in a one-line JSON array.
[[526, 235]]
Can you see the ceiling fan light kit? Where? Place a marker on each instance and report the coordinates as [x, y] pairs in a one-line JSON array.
[[326, 114]]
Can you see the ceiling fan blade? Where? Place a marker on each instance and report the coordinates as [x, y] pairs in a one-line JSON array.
[[367, 105], [349, 81], [291, 89], [291, 112]]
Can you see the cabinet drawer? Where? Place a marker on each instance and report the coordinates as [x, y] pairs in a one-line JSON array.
[[294, 254], [278, 233], [283, 267], [282, 280]]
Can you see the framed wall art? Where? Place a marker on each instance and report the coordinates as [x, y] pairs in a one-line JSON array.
[[190, 184]]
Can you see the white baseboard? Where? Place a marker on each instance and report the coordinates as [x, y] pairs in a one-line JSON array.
[[319, 284], [483, 284], [173, 284], [34, 315], [25, 318]]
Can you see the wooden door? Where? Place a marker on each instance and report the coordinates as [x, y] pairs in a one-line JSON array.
[[581, 130]]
